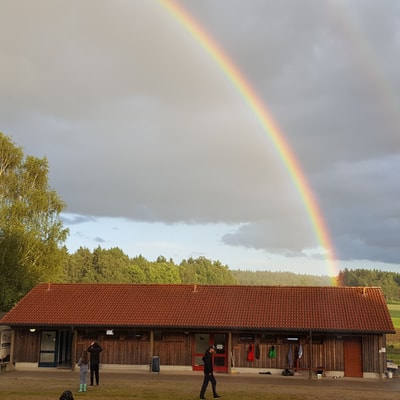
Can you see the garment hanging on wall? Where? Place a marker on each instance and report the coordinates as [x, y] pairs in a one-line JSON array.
[[250, 353], [272, 352], [300, 352], [290, 356], [257, 351]]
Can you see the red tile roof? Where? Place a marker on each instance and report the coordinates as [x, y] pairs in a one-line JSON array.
[[272, 308]]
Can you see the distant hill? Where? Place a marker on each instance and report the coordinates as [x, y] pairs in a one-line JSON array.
[[280, 278], [388, 281]]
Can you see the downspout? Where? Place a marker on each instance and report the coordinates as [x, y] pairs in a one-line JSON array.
[[74, 346], [310, 358], [230, 351], [151, 345]]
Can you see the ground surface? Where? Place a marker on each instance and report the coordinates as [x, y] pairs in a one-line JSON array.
[[49, 384]]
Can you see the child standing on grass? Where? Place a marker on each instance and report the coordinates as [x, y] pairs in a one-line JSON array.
[[83, 364]]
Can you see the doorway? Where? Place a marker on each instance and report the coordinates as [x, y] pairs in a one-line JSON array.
[[201, 343], [48, 349], [55, 348], [352, 349]]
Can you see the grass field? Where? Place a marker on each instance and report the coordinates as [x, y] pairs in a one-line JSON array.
[[48, 385], [393, 341], [394, 310]]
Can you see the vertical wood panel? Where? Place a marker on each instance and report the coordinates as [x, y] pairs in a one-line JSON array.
[[175, 348]]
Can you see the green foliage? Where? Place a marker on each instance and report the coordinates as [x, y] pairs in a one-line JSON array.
[[388, 281], [393, 341], [113, 266], [204, 271], [31, 231], [270, 278]]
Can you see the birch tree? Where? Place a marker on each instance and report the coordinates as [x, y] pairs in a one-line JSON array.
[[31, 230]]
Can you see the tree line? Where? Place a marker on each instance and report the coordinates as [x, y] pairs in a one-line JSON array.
[[32, 246]]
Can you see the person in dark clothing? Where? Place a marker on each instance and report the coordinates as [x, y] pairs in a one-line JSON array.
[[209, 374], [94, 351], [66, 395]]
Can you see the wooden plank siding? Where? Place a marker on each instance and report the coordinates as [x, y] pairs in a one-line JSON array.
[[327, 354], [371, 347], [173, 349], [176, 348], [27, 346]]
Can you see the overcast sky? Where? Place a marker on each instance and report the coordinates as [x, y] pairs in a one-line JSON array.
[[155, 151]]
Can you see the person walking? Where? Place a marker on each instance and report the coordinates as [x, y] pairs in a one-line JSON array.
[[94, 350], [209, 374], [83, 364]]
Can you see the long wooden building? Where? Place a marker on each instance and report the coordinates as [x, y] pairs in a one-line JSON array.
[[338, 330]]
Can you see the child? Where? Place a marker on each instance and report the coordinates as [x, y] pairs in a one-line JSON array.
[[83, 364]]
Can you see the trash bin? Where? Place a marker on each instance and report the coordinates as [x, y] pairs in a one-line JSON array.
[[155, 364]]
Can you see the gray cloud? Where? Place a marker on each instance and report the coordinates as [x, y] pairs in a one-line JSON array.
[[138, 122]]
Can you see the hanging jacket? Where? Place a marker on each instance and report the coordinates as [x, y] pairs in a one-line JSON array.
[[257, 351], [250, 353]]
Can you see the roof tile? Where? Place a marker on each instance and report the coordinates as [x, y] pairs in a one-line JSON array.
[[299, 308]]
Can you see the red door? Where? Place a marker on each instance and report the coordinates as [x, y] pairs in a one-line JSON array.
[[201, 342], [352, 357]]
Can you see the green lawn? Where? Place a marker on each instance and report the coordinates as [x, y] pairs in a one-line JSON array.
[[393, 341], [394, 310]]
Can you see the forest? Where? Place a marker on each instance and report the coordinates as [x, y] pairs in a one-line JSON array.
[[32, 247], [112, 265]]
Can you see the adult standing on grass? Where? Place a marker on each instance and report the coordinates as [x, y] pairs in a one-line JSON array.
[[209, 374], [94, 350]]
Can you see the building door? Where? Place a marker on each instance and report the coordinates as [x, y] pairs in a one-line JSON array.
[[352, 357], [64, 346], [48, 349], [201, 342], [220, 355], [55, 349]]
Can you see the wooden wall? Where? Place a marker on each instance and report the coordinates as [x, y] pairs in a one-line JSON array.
[[175, 348], [373, 358], [327, 352], [27, 346]]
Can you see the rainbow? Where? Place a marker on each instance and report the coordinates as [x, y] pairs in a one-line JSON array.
[[267, 122]]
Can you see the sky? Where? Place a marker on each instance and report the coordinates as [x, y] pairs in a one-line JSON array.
[[155, 149]]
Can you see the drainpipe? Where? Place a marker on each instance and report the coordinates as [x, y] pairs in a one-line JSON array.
[[74, 346], [310, 357], [229, 350], [151, 345]]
